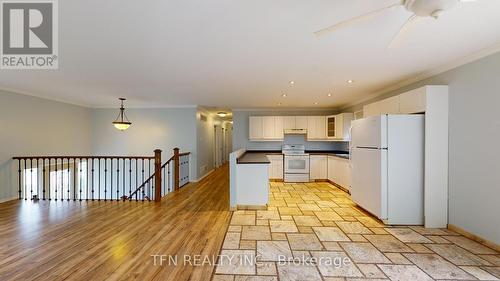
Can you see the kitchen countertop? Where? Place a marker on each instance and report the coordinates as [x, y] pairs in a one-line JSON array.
[[259, 156], [253, 158]]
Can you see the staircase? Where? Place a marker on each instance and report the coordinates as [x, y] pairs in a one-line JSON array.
[[96, 178]]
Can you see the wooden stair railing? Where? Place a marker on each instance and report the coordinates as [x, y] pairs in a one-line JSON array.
[[80, 178]]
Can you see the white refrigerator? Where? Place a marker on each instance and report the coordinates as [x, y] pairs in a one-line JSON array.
[[387, 161]]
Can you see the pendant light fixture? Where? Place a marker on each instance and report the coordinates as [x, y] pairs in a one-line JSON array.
[[121, 122]]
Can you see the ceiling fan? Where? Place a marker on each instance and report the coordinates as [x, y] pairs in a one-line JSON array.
[[418, 8]]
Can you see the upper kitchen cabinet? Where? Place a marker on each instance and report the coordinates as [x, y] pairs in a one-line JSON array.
[[265, 128], [337, 126], [386, 106], [412, 101], [255, 130], [301, 122], [288, 122], [316, 127]]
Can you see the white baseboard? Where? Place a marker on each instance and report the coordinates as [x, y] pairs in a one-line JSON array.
[[8, 199], [204, 176]]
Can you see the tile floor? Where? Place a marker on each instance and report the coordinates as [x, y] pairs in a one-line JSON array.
[[313, 223]]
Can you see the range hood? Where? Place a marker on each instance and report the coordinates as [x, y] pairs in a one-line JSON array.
[[295, 132]]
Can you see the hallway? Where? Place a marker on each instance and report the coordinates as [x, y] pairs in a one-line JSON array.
[[115, 240]]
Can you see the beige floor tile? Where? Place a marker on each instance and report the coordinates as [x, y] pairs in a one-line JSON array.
[[328, 216], [327, 203], [234, 228], [283, 226], [387, 243], [438, 239], [330, 234], [404, 273], [298, 272], [370, 222], [371, 271], [336, 264], [353, 227], [273, 250], [289, 211], [248, 245], [492, 270], [457, 255], [268, 215], [223, 278], [397, 258], [350, 218], [232, 241], [437, 267], [332, 246], [236, 262], [357, 238], [329, 223], [255, 278], [304, 242], [266, 268], [305, 229], [256, 233], [470, 245], [262, 222], [307, 221], [363, 252], [301, 255], [278, 236], [493, 259], [378, 230], [309, 207], [428, 231], [407, 235], [478, 273], [419, 248], [243, 219]]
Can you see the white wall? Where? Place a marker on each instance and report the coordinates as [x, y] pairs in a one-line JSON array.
[[33, 126], [205, 142], [152, 128], [474, 135], [241, 138]]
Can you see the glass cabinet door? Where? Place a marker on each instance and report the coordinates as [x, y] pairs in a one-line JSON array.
[[330, 122]]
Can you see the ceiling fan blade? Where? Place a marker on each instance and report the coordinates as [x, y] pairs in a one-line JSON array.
[[404, 28], [355, 20]]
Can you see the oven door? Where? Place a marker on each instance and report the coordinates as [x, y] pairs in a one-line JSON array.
[[296, 164]]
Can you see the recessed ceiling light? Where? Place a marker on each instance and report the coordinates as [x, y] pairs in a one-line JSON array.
[[283, 95], [315, 103], [292, 82], [279, 103], [222, 114], [329, 95], [350, 81]]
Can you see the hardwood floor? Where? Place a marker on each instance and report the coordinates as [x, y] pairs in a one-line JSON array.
[[115, 240]]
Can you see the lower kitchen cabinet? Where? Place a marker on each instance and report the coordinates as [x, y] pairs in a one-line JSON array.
[[276, 166], [318, 167], [339, 171]]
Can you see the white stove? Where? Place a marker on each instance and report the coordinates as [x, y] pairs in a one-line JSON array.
[[296, 163]]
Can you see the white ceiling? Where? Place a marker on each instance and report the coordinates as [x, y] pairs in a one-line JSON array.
[[242, 54]]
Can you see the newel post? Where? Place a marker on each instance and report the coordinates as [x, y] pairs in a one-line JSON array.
[[176, 168], [157, 175]]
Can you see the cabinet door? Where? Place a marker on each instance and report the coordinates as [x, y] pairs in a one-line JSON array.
[[321, 127], [330, 126], [311, 127], [339, 126], [289, 122], [390, 105], [278, 127], [412, 101], [268, 127], [301, 122], [319, 167], [330, 167], [255, 128]]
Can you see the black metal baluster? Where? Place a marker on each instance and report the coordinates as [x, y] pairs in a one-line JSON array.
[[99, 179], [43, 178], [37, 179], [74, 179], [136, 177], [168, 178], [142, 179], [117, 179], [69, 179], [80, 178], [31, 177], [87, 179], [111, 180], [19, 178], [57, 179], [93, 163], [130, 178], [50, 196], [105, 178]]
